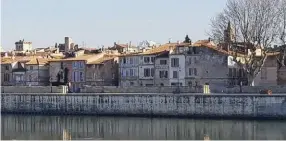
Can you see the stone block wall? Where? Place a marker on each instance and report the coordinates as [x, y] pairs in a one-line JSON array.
[[33, 89], [195, 105]]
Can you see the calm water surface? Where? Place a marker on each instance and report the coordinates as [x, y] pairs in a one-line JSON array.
[[26, 127]]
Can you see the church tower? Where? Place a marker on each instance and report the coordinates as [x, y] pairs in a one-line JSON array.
[[229, 34], [228, 37]]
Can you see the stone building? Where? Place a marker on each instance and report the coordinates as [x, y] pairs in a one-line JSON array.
[[71, 70], [37, 72], [103, 71], [161, 77]]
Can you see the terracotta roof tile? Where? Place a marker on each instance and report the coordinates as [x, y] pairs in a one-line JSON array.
[[79, 58], [35, 61], [162, 48], [103, 59]]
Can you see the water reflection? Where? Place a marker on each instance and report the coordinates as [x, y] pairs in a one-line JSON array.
[[120, 128]]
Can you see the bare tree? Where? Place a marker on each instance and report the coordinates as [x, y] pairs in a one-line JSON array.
[[282, 34], [254, 24], [218, 25]]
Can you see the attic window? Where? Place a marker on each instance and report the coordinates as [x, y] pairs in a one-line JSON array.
[[31, 67], [6, 67]]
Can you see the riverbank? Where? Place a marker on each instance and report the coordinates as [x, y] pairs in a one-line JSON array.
[[244, 106]]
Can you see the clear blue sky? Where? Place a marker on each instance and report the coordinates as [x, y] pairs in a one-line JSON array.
[[102, 22]]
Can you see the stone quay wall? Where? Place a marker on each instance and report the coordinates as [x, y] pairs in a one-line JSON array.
[[162, 90], [186, 105], [33, 89]]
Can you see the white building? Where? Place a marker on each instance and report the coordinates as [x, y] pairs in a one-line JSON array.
[[146, 70], [177, 65], [22, 46]]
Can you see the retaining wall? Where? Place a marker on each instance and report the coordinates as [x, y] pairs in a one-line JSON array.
[[33, 89], [245, 89], [113, 89], [235, 106]]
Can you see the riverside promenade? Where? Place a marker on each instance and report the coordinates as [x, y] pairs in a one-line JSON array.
[[241, 106]]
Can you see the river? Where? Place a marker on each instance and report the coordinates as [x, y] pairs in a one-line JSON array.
[[30, 127]]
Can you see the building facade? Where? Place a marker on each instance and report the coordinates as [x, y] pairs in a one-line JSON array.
[[103, 72], [177, 71], [37, 73], [161, 77], [146, 70], [129, 70], [22, 46]]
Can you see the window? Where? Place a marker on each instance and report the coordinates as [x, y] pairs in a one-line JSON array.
[[146, 59], [147, 72], [124, 60], [131, 83], [175, 62], [196, 60], [230, 72], [31, 67], [74, 76], [81, 76], [62, 65], [131, 72], [6, 77], [81, 65], [6, 67], [234, 72], [131, 60], [190, 60], [74, 65], [195, 72], [195, 51], [77, 77], [127, 73], [152, 72], [163, 74], [190, 71], [152, 59], [94, 75], [175, 74], [190, 83], [163, 62]]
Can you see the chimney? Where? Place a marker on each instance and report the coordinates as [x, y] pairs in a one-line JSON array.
[[209, 39]]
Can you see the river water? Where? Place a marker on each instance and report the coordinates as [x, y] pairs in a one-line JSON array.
[[28, 127]]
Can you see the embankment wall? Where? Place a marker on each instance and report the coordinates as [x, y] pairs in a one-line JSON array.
[[188, 105]]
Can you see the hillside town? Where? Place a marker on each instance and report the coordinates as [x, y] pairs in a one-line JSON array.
[[185, 64]]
